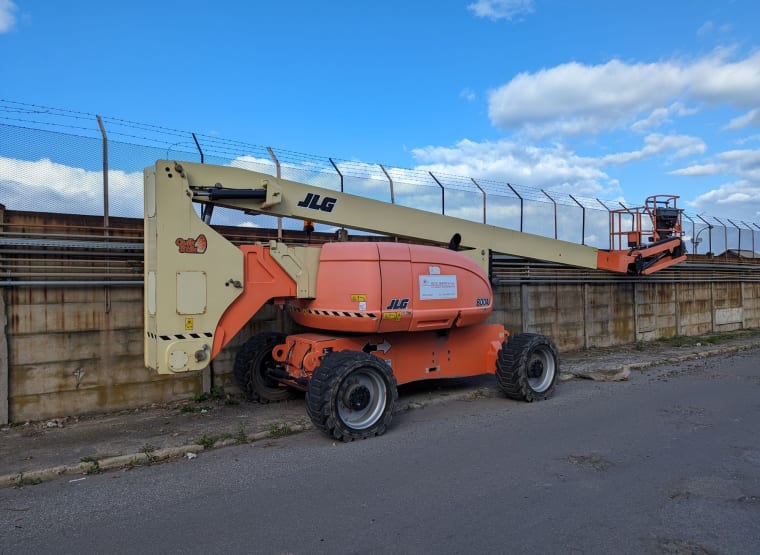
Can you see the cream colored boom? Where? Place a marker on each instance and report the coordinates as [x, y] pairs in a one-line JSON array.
[[297, 200]]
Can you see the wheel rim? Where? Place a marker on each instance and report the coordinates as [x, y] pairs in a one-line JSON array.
[[541, 369], [361, 399]]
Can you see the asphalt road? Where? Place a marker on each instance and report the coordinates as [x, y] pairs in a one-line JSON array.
[[668, 462]]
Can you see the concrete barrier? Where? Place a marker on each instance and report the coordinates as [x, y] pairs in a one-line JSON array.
[[73, 350]]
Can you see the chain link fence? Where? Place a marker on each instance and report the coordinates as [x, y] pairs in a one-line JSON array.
[[61, 161]]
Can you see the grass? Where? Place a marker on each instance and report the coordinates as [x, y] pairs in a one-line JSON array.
[[242, 435], [148, 449], [216, 394], [205, 440], [194, 408], [279, 430], [94, 468]]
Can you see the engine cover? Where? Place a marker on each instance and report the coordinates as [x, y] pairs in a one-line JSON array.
[[368, 287]]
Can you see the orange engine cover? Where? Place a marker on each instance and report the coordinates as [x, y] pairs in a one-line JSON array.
[[388, 287]]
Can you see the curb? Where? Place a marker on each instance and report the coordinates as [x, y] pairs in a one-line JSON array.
[[143, 458]]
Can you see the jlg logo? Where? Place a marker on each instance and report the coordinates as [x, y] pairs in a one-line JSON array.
[[398, 304], [312, 201]]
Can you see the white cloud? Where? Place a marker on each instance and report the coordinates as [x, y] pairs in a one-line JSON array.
[[7, 15], [698, 170], [501, 9], [506, 161], [680, 146], [716, 80], [574, 99], [740, 199], [750, 118], [660, 116], [743, 163], [557, 168]]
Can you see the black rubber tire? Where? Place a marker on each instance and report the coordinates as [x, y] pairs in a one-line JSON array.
[[348, 377], [527, 367], [250, 363]]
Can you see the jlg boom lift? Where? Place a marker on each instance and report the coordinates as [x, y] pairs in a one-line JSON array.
[[381, 314]]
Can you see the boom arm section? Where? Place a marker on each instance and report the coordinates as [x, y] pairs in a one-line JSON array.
[[261, 193]]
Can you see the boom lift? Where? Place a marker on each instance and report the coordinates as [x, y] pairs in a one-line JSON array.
[[381, 314]]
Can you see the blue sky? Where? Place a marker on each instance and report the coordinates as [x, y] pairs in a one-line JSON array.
[[616, 100]]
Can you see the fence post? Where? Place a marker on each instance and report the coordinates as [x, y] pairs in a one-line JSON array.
[[739, 248], [522, 204], [555, 211], [340, 174], [610, 224], [709, 235], [693, 230], [105, 172], [752, 235], [279, 174], [200, 150], [484, 200], [390, 181], [106, 225], [583, 219], [725, 236], [443, 194]]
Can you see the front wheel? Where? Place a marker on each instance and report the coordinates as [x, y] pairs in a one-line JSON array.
[[527, 367], [351, 395]]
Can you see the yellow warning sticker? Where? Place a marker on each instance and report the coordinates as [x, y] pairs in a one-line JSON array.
[[189, 324], [391, 316], [358, 298]]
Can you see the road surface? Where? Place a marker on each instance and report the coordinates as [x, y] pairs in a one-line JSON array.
[[668, 462]]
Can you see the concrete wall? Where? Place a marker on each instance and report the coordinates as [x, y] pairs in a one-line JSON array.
[[70, 351], [587, 315]]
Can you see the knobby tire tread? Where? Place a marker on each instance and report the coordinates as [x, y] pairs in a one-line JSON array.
[[323, 389], [511, 367]]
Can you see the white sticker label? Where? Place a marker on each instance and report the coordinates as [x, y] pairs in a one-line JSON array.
[[437, 287], [434, 270], [362, 305]]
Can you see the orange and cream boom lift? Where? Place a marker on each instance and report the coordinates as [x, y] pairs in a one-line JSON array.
[[377, 314]]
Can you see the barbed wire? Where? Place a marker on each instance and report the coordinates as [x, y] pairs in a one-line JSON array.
[[34, 117]]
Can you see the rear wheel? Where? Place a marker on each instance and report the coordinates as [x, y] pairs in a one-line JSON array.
[[252, 363], [351, 395], [527, 367]]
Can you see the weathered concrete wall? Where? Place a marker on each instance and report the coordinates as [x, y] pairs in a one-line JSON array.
[[751, 305], [69, 352], [590, 315], [72, 353]]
